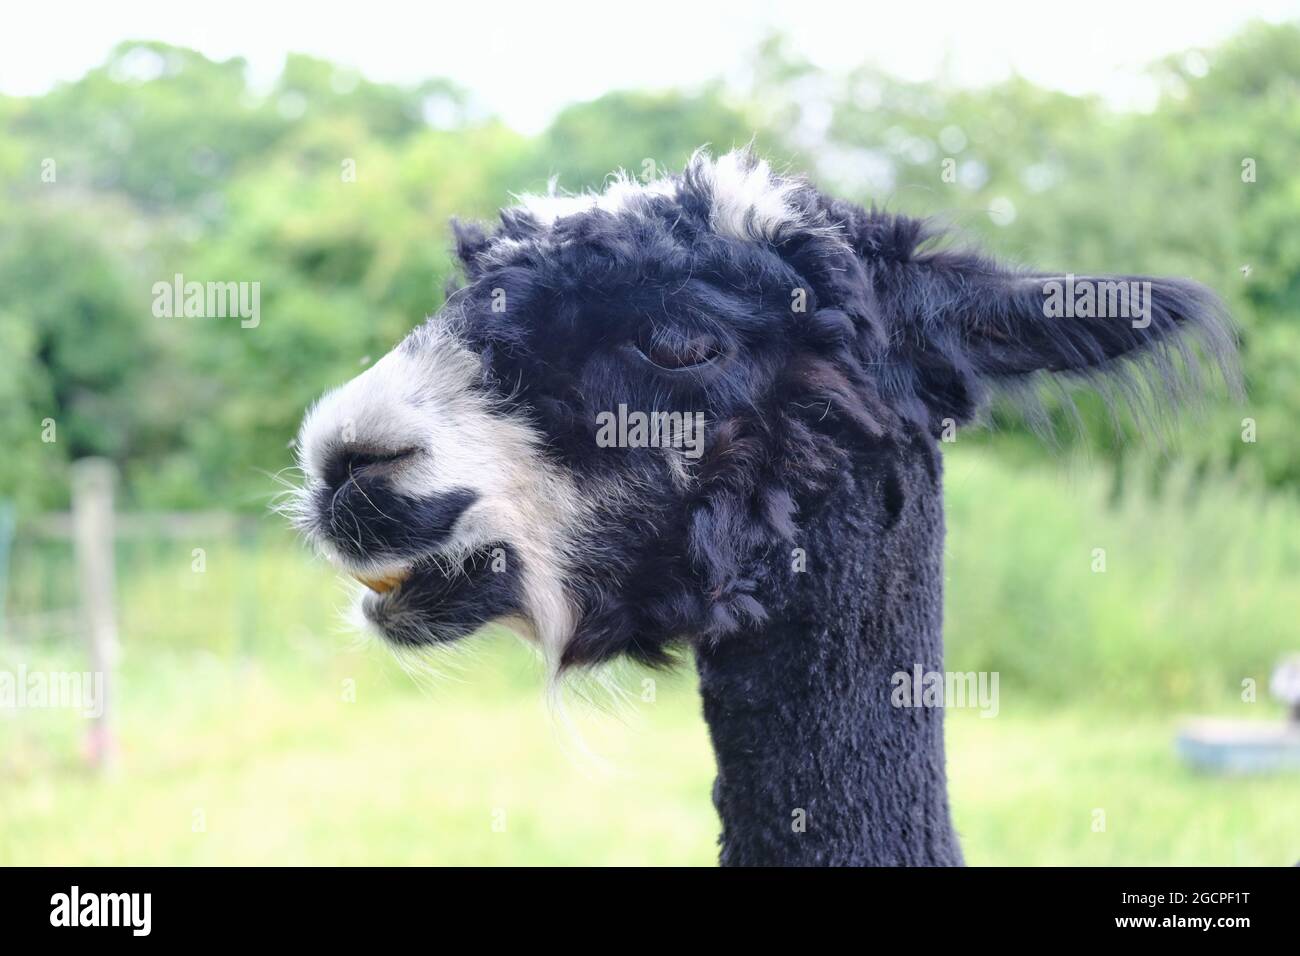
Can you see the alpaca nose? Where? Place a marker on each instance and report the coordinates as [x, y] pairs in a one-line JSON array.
[[350, 461]]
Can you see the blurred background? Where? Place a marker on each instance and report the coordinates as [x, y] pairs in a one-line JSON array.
[[248, 724]]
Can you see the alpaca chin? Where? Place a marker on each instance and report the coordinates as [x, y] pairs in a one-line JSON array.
[[441, 600]]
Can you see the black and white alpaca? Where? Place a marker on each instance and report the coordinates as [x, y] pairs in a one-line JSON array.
[[798, 552]]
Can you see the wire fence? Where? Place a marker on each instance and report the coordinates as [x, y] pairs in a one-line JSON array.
[[41, 592], [78, 588]]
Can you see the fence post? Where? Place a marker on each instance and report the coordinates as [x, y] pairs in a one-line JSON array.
[[93, 480], [6, 548]]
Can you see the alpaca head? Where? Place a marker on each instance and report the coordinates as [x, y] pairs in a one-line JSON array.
[[623, 412]]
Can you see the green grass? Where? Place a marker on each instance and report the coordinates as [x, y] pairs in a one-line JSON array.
[[1200, 592], [279, 768], [253, 731], [1027, 788]]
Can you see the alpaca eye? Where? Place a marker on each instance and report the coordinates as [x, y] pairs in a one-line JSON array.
[[677, 354]]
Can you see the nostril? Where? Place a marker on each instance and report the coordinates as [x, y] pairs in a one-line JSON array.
[[347, 463]]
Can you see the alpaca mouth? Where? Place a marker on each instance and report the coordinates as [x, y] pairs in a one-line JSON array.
[[385, 583], [436, 600]]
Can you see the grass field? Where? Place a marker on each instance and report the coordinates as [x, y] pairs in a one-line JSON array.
[[253, 731]]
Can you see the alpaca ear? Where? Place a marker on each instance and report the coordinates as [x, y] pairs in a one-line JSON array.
[[972, 324], [471, 242]]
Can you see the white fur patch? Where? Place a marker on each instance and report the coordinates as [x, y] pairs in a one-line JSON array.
[[749, 198], [750, 201], [622, 191], [421, 395]]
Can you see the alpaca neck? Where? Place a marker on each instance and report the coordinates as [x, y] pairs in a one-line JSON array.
[[816, 766]]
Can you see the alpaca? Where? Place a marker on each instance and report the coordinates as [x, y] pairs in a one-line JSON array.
[[521, 456]]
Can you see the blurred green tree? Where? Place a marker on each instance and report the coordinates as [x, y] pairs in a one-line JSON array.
[[333, 193]]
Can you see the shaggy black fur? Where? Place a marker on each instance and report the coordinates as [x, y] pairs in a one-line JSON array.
[[839, 332], [815, 767]]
